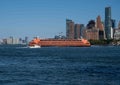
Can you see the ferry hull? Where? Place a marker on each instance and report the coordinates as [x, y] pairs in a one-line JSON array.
[[60, 42], [63, 43]]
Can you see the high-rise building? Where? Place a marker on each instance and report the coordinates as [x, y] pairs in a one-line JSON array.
[[91, 24], [113, 23], [117, 34], [108, 24], [77, 31], [100, 26], [69, 29], [9, 40], [26, 40], [91, 32], [15, 41], [82, 27]]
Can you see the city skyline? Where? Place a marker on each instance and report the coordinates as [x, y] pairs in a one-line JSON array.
[[47, 19]]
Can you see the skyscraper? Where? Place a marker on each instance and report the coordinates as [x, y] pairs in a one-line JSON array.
[[91, 32], [100, 26], [69, 29], [113, 23], [77, 31], [26, 40], [82, 27], [108, 24]]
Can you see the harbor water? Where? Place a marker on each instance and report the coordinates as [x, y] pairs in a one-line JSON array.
[[95, 65]]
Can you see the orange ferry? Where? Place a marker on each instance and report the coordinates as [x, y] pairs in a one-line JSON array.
[[59, 42]]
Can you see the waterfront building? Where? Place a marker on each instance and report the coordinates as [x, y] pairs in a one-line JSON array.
[[113, 23], [117, 34], [20, 41], [77, 31], [108, 24], [13, 41], [91, 32], [1, 41], [4, 41], [82, 27], [69, 29], [119, 25], [99, 25], [59, 37], [9, 40], [16, 41], [91, 24], [26, 40]]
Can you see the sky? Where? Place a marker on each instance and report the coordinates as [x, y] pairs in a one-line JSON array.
[[47, 18]]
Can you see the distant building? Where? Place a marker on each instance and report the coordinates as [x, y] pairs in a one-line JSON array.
[[13, 41], [99, 25], [82, 27], [20, 41], [1, 41], [69, 29], [26, 40], [4, 41], [16, 41], [59, 37], [91, 24], [113, 23], [9, 40], [77, 31], [117, 34], [91, 32], [108, 24], [119, 25]]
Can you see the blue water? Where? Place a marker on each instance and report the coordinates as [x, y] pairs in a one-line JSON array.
[[96, 65]]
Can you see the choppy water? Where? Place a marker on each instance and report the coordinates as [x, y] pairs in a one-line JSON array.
[[60, 65]]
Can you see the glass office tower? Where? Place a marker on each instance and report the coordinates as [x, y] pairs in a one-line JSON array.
[[108, 24]]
